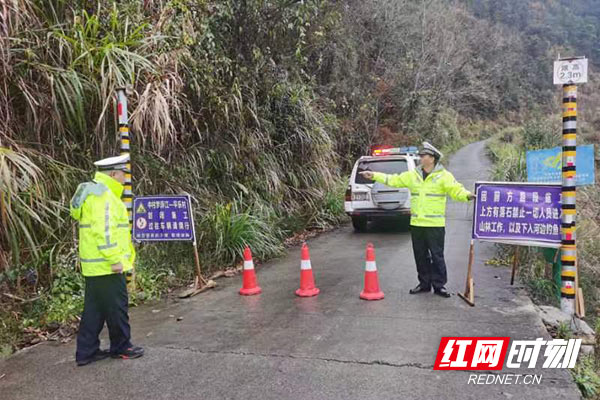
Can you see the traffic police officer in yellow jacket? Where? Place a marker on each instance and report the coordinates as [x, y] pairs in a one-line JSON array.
[[106, 252], [429, 184]]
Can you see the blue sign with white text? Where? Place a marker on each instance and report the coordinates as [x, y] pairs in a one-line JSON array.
[[163, 218], [546, 165]]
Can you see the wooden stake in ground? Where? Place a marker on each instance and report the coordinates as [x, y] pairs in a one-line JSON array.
[[469, 294], [200, 284], [579, 304], [514, 266]]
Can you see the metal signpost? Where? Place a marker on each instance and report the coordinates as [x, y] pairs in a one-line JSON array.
[[167, 219]]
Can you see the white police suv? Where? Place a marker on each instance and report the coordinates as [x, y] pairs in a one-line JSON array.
[[367, 200]]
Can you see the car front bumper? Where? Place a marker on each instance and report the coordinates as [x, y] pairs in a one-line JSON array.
[[377, 212]]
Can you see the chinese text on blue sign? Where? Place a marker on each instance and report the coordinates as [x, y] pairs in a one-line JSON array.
[[517, 212], [546, 165], [163, 218]]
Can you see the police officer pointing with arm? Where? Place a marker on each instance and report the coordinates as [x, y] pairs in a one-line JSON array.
[[106, 252], [429, 185]]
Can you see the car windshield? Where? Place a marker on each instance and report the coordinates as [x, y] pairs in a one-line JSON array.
[[387, 167]]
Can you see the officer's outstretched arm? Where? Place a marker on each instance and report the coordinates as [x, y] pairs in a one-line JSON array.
[[455, 189], [103, 231], [393, 180]]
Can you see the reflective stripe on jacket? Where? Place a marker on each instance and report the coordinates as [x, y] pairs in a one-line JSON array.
[[427, 197], [104, 236]]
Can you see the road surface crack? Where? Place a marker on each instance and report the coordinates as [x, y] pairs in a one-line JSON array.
[[299, 357]]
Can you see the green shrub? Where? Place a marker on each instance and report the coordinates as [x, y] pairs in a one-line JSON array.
[[510, 134], [65, 300], [538, 133], [226, 230], [564, 331], [510, 164], [152, 283], [10, 332], [330, 211], [586, 377]]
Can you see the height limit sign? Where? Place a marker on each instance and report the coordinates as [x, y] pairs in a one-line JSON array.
[[570, 71]]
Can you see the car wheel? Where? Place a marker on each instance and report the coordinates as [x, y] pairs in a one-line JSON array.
[[359, 223]]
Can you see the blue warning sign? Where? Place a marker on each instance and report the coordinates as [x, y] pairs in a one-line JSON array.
[[163, 218]]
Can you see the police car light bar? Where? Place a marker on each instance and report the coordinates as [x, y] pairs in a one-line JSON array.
[[388, 151]]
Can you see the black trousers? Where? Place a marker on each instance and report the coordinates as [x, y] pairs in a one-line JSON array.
[[428, 248], [105, 301]]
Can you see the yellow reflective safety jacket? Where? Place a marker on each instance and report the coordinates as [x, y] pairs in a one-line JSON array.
[[104, 236], [427, 197]]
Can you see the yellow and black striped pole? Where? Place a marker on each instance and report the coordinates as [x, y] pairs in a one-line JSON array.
[[125, 148], [568, 247]]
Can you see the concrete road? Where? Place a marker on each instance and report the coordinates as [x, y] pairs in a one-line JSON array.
[[334, 346]]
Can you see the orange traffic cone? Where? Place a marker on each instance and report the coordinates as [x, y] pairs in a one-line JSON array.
[[307, 282], [371, 290], [250, 286]]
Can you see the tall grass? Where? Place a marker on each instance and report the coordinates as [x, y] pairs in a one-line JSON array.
[[31, 211], [510, 163], [228, 230]]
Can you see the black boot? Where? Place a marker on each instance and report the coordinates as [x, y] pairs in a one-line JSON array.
[[442, 292]]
